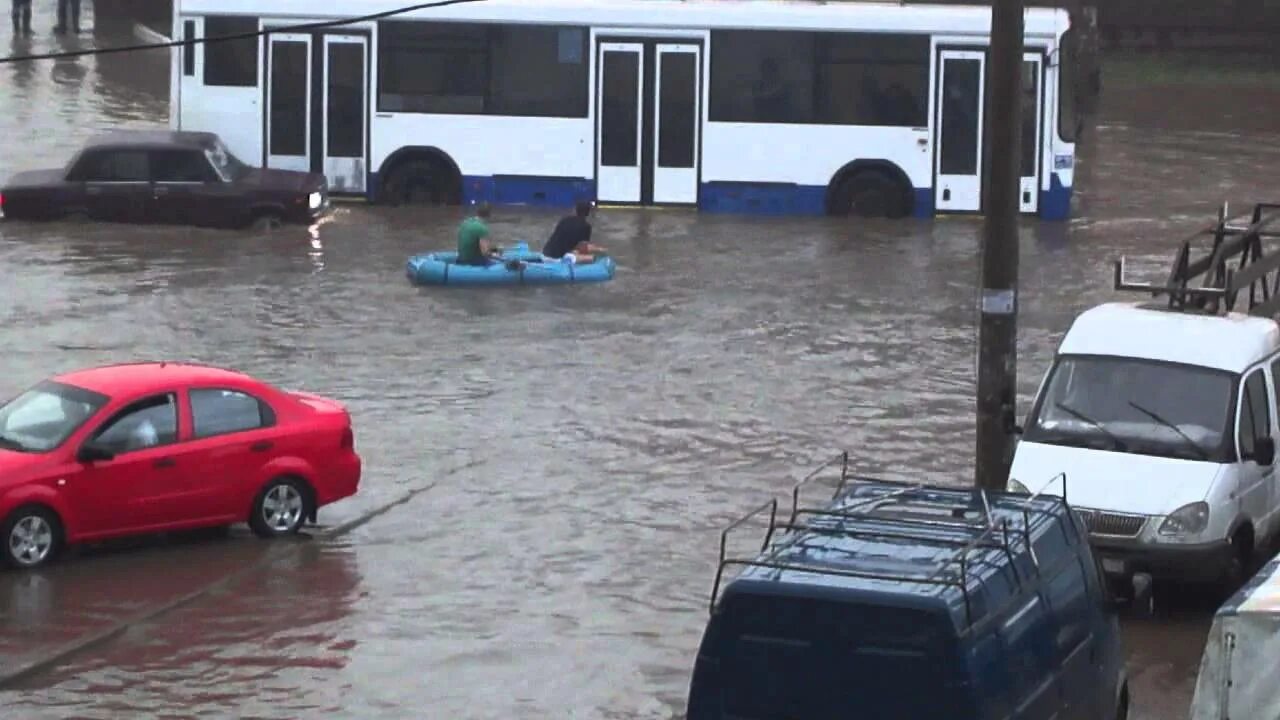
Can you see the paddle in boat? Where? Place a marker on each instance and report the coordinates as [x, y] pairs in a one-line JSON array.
[[519, 266]]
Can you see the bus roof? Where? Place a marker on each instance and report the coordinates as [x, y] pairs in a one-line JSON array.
[[894, 552], [811, 15]]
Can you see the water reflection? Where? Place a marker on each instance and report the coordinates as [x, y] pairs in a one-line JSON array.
[[604, 431], [69, 71], [272, 626], [22, 72], [44, 609]]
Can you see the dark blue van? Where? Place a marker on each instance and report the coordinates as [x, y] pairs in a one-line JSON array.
[[912, 602]]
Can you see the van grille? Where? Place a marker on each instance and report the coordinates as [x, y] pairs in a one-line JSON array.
[[1105, 523]]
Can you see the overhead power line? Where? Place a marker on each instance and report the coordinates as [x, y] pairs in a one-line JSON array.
[[236, 36]]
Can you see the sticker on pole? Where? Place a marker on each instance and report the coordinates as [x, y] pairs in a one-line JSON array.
[[997, 302]]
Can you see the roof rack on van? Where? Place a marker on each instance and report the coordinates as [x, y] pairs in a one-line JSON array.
[[989, 534], [1236, 242]]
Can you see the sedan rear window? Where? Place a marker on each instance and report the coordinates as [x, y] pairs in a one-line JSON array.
[[218, 411], [113, 166]]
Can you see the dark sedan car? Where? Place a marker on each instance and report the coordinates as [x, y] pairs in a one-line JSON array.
[[183, 178]]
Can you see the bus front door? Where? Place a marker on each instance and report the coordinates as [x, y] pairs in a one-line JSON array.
[[288, 103], [648, 110], [1032, 132], [317, 104], [958, 161], [346, 102]]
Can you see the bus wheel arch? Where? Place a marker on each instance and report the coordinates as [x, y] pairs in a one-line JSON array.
[[870, 188], [416, 175]]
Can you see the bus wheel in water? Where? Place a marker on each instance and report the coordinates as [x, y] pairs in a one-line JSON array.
[[871, 193], [421, 182]]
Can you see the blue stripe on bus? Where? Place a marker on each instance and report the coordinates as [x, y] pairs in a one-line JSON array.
[[1055, 203], [923, 206], [762, 198], [784, 199], [722, 197], [526, 190]]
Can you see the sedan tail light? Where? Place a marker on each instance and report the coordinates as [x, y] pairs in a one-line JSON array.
[[348, 439]]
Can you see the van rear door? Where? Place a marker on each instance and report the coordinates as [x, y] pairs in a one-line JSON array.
[[782, 657]]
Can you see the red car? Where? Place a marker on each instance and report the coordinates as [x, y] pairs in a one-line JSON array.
[[149, 447]]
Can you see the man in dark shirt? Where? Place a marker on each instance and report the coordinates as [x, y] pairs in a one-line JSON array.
[[571, 240]]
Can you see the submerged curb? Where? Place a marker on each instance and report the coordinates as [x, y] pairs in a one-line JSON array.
[[55, 656]]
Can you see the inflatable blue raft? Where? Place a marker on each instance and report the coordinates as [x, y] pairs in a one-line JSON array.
[[519, 266]]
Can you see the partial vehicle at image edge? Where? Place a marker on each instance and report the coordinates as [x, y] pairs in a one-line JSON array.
[[1159, 419], [903, 601], [164, 177], [141, 448]]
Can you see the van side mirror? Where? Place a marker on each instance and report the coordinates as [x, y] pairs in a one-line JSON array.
[[1264, 451], [91, 453]]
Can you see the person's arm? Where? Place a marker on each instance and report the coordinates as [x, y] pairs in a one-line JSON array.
[[486, 247], [586, 242]]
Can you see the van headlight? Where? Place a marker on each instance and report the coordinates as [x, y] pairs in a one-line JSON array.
[[1190, 519], [314, 200], [1016, 487]]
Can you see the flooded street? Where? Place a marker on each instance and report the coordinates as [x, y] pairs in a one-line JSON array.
[[566, 456]]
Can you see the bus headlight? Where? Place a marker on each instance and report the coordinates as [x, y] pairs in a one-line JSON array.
[[314, 200]]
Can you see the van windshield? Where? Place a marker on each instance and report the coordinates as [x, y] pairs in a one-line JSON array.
[[790, 657], [1136, 406]]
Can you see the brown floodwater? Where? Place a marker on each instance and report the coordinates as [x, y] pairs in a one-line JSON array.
[[582, 445]]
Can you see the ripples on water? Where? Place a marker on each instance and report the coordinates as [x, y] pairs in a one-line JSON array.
[[588, 442]]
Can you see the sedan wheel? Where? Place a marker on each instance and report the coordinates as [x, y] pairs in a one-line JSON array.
[[30, 537], [279, 509]]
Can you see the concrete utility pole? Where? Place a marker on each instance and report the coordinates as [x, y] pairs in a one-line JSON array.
[[998, 329]]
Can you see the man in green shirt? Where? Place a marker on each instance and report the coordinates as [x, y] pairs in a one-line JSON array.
[[473, 239]]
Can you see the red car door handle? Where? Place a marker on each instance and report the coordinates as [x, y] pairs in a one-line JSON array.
[[262, 446], [164, 463]]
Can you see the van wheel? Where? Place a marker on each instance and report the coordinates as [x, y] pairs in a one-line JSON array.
[[1238, 564]]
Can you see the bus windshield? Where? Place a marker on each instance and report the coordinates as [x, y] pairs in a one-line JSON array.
[[1136, 406]]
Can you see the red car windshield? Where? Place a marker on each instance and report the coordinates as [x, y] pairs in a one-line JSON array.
[[43, 417]]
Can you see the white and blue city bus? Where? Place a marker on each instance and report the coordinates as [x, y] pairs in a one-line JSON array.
[[753, 106]]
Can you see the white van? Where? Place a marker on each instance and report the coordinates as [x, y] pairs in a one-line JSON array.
[[1160, 426]]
